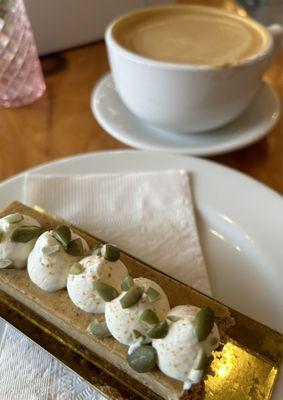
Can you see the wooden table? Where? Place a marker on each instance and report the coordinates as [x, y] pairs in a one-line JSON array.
[[61, 124]]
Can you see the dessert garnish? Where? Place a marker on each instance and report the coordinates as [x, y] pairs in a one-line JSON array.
[[158, 331], [63, 234], [126, 283], [48, 250], [25, 234], [18, 234], [149, 318], [184, 353], [204, 323], [105, 291], [53, 255], [143, 359], [131, 312], [76, 269], [152, 295], [93, 281], [5, 263], [98, 328], [110, 252], [75, 248], [14, 218], [131, 297]]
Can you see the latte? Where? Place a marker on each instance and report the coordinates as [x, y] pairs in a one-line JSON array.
[[191, 35]]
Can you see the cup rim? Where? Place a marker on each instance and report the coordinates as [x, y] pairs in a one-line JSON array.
[[132, 56]]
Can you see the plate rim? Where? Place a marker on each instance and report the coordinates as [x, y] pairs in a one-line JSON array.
[[272, 195], [237, 174]]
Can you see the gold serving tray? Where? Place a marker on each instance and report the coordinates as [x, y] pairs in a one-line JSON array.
[[246, 368]]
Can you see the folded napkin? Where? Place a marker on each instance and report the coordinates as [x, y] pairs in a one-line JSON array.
[[149, 215]]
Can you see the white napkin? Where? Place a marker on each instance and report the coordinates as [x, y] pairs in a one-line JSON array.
[[149, 215]]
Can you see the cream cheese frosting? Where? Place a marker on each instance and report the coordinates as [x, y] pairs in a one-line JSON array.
[[179, 350], [94, 268], [16, 252], [50, 271], [122, 322]]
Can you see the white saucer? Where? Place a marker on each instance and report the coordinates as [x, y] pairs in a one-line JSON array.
[[118, 121]]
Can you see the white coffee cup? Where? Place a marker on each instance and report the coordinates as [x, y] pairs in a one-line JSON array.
[[183, 97]]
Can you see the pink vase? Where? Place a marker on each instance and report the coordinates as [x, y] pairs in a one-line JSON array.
[[21, 79]]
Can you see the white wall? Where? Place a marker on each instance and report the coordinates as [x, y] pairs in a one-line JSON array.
[[61, 24]]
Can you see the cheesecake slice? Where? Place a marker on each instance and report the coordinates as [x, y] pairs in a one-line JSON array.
[[58, 309]]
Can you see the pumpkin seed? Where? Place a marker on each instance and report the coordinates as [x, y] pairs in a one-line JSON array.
[[159, 331], [126, 283], [76, 269], [143, 359], [173, 318], [110, 252], [202, 361], [97, 328], [48, 250], [105, 291], [131, 297], [75, 248], [149, 318], [136, 334], [5, 263], [14, 218], [63, 234], [97, 249], [25, 234], [213, 341], [1, 235], [152, 295], [204, 323]]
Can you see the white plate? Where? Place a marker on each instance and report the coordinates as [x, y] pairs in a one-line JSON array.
[[118, 121], [240, 223]]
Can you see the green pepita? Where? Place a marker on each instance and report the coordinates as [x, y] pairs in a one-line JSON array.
[[202, 361], [149, 318], [25, 234], [131, 297], [14, 218], [76, 269], [110, 252], [1, 235], [143, 359], [126, 283], [48, 250], [159, 331], [97, 328], [136, 334], [204, 323], [105, 291], [96, 251], [214, 341], [75, 248], [152, 295], [5, 263], [63, 234], [172, 318]]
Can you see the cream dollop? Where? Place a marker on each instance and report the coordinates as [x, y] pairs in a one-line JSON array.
[[50, 272], [94, 268], [122, 322], [15, 251], [177, 352]]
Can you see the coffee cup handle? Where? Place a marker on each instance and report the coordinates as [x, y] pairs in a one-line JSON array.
[[276, 31]]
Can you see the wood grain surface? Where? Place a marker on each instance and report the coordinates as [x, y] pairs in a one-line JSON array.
[[61, 124]]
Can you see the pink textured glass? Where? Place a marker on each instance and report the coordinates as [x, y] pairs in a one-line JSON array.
[[21, 79]]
